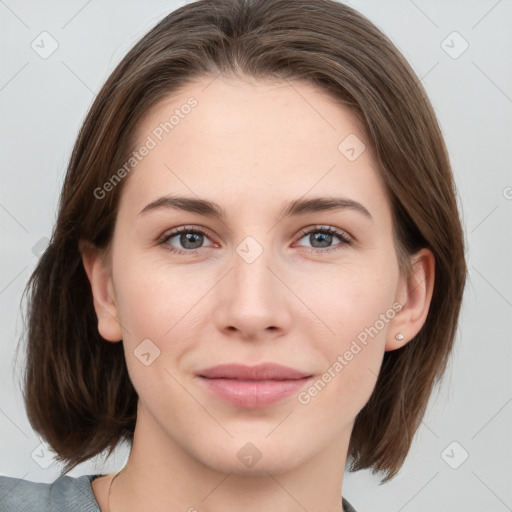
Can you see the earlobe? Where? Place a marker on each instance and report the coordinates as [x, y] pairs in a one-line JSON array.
[[100, 279], [416, 295]]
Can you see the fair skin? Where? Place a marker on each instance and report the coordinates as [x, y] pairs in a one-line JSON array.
[[250, 147]]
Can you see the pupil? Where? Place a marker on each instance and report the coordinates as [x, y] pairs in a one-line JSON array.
[[323, 238], [189, 237]]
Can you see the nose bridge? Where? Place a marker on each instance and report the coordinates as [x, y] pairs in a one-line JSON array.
[[253, 280], [254, 297]]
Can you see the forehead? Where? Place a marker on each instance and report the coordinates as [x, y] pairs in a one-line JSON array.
[[248, 139]]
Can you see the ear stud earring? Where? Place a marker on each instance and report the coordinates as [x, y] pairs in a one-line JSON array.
[[399, 336]]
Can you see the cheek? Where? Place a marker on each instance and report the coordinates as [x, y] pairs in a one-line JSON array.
[[356, 311], [154, 306], [154, 298], [162, 311], [349, 300]]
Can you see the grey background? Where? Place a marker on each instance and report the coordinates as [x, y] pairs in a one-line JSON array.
[[44, 100]]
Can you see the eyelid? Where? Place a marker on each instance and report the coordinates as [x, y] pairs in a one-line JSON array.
[[171, 233], [346, 238], [340, 233]]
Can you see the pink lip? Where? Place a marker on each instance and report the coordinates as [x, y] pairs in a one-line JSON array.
[[253, 386]]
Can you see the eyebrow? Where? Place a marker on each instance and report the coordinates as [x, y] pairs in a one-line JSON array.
[[290, 209]]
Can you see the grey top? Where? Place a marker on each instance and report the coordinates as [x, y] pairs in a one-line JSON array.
[[66, 494]]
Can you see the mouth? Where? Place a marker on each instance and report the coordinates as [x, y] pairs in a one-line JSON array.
[[253, 386]]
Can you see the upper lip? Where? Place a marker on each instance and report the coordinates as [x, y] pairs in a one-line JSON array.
[[264, 371]]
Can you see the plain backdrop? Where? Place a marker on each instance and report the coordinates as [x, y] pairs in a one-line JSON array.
[[461, 458]]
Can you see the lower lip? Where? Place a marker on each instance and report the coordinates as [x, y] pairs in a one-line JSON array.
[[254, 394]]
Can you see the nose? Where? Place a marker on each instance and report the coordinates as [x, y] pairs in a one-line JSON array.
[[253, 299]]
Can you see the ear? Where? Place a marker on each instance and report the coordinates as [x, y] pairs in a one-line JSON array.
[[98, 269], [414, 295]]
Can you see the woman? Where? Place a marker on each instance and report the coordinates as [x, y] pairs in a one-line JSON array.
[[256, 272]]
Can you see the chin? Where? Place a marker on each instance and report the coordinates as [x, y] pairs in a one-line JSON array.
[[260, 469], [253, 458]]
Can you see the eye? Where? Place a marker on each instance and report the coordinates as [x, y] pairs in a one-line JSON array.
[[190, 239], [322, 237]]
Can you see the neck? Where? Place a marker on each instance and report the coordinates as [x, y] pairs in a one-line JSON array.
[[160, 475]]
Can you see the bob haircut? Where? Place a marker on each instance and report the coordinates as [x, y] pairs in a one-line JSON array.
[[77, 391]]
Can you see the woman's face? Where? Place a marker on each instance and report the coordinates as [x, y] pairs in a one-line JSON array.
[[253, 286]]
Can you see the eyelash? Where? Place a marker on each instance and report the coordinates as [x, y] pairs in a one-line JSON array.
[[344, 237]]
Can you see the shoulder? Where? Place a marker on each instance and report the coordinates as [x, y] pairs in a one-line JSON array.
[[65, 494]]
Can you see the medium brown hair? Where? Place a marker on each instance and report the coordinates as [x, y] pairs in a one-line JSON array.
[[77, 390]]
